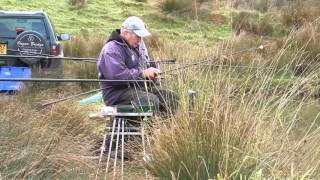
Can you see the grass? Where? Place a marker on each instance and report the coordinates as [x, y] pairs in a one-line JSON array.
[[300, 12], [247, 123], [251, 122], [78, 3], [239, 128], [101, 17], [44, 144]]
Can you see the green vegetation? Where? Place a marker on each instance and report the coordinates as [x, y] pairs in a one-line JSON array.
[[101, 17], [256, 114]]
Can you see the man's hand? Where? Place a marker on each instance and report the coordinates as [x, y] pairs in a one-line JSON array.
[[151, 73]]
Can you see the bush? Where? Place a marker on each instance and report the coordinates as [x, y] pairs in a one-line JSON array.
[[293, 17], [298, 14], [185, 8], [305, 48], [78, 3], [244, 21], [260, 5], [83, 45], [175, 5], [142, 1], [219, 19], [252, 23], [278, 3]]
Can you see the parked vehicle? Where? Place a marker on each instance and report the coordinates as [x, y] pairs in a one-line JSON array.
[[28, 40]]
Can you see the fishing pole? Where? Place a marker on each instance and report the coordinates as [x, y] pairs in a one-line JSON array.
[[68, 80], [209, 60], [51, 57], [73, 96], [99, 80], [169, 61], [46, 55], [85, 59], [70, 97]]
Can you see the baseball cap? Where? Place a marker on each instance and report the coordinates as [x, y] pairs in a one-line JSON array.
[[136, 25]]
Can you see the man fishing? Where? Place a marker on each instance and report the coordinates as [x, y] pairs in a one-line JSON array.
[[122, 58]]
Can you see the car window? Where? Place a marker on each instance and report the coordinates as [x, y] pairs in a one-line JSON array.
[[8, 26]]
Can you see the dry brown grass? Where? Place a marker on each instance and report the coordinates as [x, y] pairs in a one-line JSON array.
[[174, 5], [300, 13], [49, 143], [303, 49], [252, 22], [185, 8], [78, 3], [83, 45], [242, 126], [246, 123]]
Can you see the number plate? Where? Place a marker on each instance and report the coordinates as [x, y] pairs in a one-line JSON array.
[[3, 49]]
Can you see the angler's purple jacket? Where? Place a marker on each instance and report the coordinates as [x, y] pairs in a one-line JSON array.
[[117, 61]]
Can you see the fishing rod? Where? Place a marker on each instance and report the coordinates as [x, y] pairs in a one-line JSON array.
[[69, 80], [101, 80], [74, 96], [70, 97], [210, 60], [169, 61], [91, 60], [46, 55], [85, 59], [237, 66]]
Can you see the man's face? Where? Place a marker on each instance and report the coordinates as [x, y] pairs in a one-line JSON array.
[[132, 39]]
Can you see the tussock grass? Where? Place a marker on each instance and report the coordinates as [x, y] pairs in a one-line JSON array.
[[303, 48], [300, 13], [186, 8], [174, 5], [260, 121], [85, 71], [249, 122], [252, 22], [42, 144], [143, 1], [83, 45], [260, 5], [308, 37], [191, 53], [241, 126], [78, 3]]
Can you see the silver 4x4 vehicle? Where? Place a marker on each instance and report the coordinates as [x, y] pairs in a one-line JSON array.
[[28, 39]]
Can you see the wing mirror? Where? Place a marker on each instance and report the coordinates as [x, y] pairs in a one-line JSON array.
[[64, 37]]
